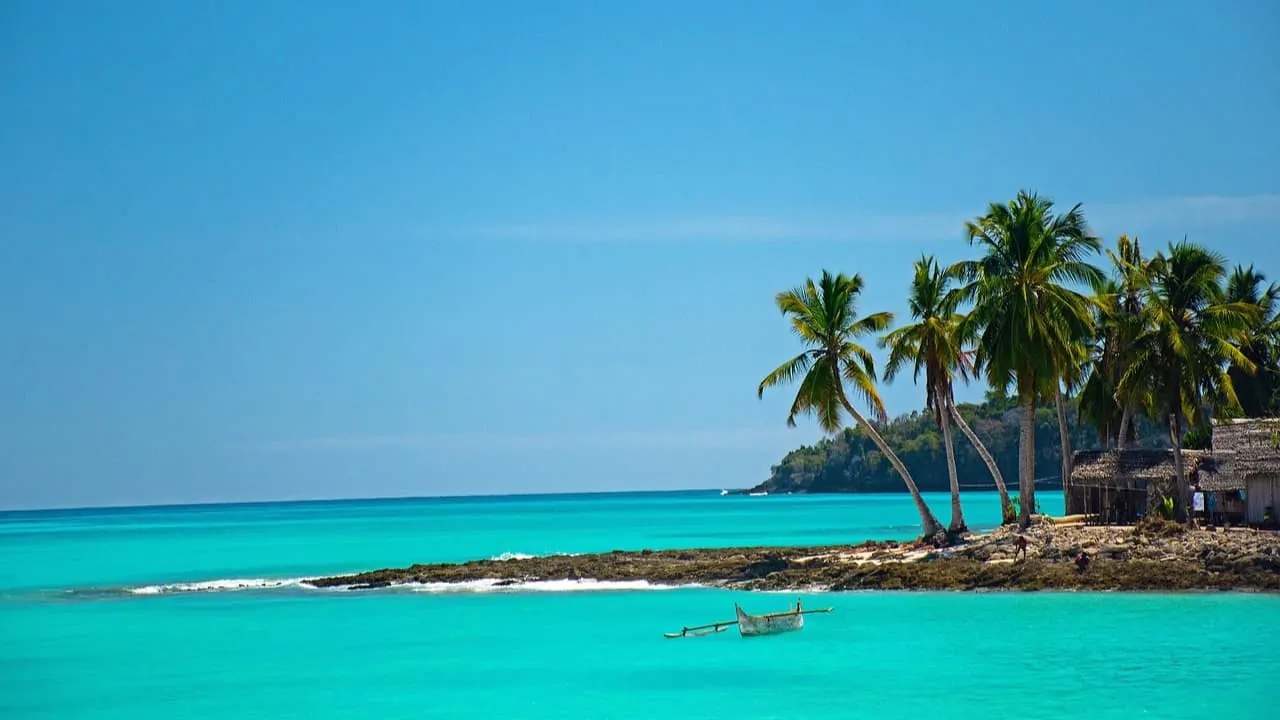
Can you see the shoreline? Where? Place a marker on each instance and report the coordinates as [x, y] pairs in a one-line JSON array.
[[1159, 557]]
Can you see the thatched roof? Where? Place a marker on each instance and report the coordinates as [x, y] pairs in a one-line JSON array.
[[1214, 478], [1118, 468], [1248, 449]]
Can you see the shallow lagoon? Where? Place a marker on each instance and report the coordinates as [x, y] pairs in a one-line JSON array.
[[101, 651]]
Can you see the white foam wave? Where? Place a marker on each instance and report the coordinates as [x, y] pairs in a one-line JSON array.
[[220, 585], [487, 585], [526, 556], [495, 585]]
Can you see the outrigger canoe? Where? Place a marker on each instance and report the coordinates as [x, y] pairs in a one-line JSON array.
[[770, 624], [753, 625]]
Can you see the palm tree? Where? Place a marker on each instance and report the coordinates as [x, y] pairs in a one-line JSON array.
[[1189, 338], [1117, 322], [1259, 393], [933, 345], [1098, 402], [825, 316], [1026, 319], [1133, 273]]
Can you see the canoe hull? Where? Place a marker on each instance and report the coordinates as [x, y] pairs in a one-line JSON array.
[[773, 624]]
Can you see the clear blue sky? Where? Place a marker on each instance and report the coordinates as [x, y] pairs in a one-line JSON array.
[[305, 250]]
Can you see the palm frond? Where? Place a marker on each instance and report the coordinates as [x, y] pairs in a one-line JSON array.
[[786, 373]]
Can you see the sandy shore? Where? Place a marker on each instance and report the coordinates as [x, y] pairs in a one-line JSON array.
[[1160, 557]]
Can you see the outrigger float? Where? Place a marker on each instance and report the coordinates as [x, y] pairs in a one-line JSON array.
[[753, 625]]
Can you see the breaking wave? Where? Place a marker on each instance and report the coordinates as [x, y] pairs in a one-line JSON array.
[[220, 586], [526, 556], [489, 585], [486, 585], [513, 556]]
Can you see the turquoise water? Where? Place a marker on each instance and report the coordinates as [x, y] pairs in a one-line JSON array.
[[76, 642]]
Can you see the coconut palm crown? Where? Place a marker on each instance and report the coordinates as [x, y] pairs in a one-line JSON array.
[[1027, 319]]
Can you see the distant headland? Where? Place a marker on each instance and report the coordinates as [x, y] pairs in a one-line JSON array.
[[849, 462]]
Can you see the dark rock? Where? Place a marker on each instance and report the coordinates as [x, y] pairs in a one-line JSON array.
[[1122, 560], [370, 585]]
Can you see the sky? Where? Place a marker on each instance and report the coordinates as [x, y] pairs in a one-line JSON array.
[[288, 250]]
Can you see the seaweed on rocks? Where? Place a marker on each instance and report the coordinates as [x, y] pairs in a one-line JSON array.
[[1148, 558]]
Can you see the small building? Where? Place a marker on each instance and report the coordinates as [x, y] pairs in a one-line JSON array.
[[1248, 453], [1121, 486]]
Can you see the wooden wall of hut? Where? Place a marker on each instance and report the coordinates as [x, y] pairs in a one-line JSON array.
[[1119, 487], [1261, 497]]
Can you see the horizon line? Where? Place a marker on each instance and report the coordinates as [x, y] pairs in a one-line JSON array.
[[321, 500], [394, 498]]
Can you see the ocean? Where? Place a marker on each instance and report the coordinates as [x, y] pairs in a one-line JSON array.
[[201, 612]]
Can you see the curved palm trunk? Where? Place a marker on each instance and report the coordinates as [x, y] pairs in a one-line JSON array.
[[957, 512], [1005, 505], [1065, 437], [1027, 460], [927, 520]]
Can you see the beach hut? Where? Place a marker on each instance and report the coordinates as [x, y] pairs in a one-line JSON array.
[[1223, 494], [1248, 452], [1120, 486]]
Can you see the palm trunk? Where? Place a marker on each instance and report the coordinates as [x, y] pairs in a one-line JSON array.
[[1182, 492], [957, 513], [1065, 437], [1005, 506], [1126, 418], [929, 523], [1027, 459]]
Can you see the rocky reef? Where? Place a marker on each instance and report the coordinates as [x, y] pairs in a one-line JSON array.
[[1153, 557]]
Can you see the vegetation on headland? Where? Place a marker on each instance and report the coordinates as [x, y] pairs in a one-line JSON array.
[[1173, 339], [849, 462]]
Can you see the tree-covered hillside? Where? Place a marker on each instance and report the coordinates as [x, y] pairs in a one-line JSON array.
[[850, 462]]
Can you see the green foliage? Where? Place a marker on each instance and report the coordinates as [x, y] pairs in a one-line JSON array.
[[1026, 318], [1258, 392], [1190, 331], [825, 317], [1014, 511], [1117, 323], [1199, 437], [850, 462]]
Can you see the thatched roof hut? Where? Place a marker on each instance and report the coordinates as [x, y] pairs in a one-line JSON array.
[[1122, 468], [1250, 448], [1249, 453], [1117, 484]]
